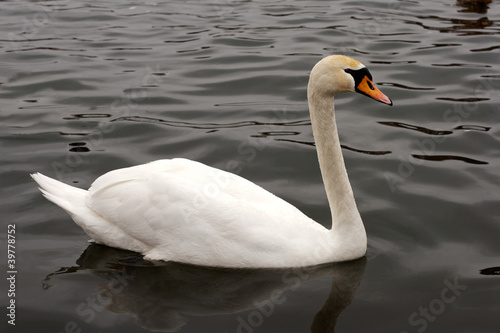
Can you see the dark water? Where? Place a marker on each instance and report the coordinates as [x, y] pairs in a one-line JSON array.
[[87, 87]]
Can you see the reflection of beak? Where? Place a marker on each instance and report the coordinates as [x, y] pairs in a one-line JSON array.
[[366, 87]]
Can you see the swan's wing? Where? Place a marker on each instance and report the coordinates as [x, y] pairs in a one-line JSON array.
[[185, 209]]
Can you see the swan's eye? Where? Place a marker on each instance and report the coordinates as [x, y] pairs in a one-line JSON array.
[[348, 70]]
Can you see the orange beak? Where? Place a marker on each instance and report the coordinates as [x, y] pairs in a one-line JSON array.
[[366, 87]]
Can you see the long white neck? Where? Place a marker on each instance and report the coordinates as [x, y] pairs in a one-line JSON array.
[[345, 215]]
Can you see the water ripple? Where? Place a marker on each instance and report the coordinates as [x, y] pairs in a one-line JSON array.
[[473, 128], [463, 99], [440, 158], [490, 271], [210, 126], [356, 150], [88, 87], [415, 128], [402, 86]]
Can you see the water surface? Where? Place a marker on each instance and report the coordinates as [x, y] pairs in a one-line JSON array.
[[87, 87]]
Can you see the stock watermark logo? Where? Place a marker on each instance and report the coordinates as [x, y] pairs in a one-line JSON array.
[[11, 274], [456, 115], [121, 107], [263, 309], [31, 24], [87, 310], [425, 315]]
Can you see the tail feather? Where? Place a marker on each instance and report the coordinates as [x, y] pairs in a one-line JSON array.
[[73, 201], [65, 196]]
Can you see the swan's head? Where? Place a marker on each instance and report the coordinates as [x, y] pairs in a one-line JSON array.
[[337, 73]]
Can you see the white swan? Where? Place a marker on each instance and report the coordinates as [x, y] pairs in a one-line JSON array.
[[184, 211]]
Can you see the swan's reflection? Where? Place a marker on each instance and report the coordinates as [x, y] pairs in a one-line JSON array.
[[159, 294]]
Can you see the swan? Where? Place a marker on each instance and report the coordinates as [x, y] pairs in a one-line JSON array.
[[184, 211]]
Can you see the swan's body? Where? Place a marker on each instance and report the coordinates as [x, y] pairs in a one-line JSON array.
[[185, 211]]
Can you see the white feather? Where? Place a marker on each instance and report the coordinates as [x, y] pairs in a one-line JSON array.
[[185, 211]]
